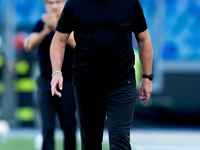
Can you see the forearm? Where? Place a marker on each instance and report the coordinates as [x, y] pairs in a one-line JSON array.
[[34, 40], [57, 51], [145, 53]]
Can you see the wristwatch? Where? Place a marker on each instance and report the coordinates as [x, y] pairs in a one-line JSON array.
[[150, 77]]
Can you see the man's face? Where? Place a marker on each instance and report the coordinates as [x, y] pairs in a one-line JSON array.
[[54, 6]]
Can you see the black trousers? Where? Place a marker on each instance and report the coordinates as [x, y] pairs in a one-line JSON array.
[[94, 103], [51, 106]]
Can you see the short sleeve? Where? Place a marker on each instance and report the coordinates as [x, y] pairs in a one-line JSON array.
[[139, 22], [65, 23]]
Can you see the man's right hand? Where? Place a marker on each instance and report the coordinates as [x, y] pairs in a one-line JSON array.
[[50, 20], [57, 80], [57, 51]]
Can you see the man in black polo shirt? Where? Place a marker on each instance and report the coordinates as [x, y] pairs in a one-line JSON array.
[[49, 105], [104, 76]]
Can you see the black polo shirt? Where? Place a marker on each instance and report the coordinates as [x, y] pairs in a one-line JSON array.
[[103, 34], [44, 56]]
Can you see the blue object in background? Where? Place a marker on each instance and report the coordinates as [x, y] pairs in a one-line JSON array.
[[28, 12], [179, 21], [0, 12], [170, 51]]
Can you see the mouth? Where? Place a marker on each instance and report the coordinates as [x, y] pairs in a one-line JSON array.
[[55, 12]]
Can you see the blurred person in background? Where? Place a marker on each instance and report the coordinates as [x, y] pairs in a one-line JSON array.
[[104, 76], [49, 105]]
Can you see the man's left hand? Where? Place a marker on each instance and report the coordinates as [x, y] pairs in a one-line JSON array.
[[145, 90]]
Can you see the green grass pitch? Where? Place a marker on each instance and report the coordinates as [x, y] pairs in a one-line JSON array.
[[28, 144]]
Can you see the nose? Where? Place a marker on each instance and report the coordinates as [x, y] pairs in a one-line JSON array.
[[54, 5]]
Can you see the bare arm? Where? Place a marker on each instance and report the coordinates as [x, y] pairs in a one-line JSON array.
[[34, 40], [145, 53], [57, 51]]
